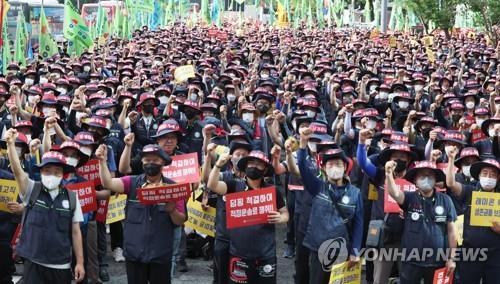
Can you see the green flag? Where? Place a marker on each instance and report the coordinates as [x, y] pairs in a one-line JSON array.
[[6, 52], [74, 28], [21, 40], [47, 45], [100, 22]]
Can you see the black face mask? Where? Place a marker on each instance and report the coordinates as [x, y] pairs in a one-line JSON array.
[[262, 108], [254, 173], [400, 165], [151, 169], [148, 109], [190, 114], [456, 117], [425, 132]]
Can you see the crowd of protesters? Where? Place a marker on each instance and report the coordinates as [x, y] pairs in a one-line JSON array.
[[333, 118]]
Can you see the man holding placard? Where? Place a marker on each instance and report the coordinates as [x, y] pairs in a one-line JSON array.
[[149, 229], [252, 248], [487, 173]]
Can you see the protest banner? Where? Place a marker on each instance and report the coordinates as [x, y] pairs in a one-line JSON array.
[[17, 235], [8, 193], [116, 208], [90, 171], [342, 274], [250, 207], [295, 187], [102, 210], [390, 205], [213, 32], [86, 195], [485, 208], [184, 168], [392, 41], [478, 135], [165, 193], [203, 221], [183, 73], [440, 277]]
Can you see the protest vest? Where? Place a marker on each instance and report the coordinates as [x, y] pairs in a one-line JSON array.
[[331, 214], [148, 229], [47, 229]]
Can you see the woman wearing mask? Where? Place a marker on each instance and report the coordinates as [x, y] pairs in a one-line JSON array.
[[252, 249], [487, 172], [337, 209]]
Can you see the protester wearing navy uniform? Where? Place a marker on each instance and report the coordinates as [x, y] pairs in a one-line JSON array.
[[51, 221], [146, 124], [428, 217], [487, 173], [148, 230], [337, 208], [252, 249], [237, 150]]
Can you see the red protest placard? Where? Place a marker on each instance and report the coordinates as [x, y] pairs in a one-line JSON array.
[[250, 207], [86, 195], [478, 135], [440, 277], [162, 194], [222, 36], [184, 169], [17, 235], [390, 205], [90, 171], [102, 211], [295, 187], [213, 32]]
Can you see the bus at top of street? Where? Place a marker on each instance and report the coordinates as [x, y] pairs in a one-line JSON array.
[[31, 12]]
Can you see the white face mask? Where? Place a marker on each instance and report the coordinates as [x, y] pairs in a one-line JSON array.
[[65, 109], [312, 146], [403, 104], [86, 68], [264, 76], [371, 124], [447, 149], [466, 170], [29, 81], [87, 150], [72, 161], [176, 107], [46, 111], [163, 100], [383, 95], [62, 91], [28, 137], [491, 132], [43, 80], [418, 88], [425, 183], [335, 173], [32, 99], [247, 117], [311, 113], [479, 122], [19, 151], [193, 97], [373, 88], [488, 183], [470, 105], [391, 97], [231, 97], [51, 182]]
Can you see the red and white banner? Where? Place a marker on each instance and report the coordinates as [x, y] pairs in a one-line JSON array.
[[390, 205], [86, 195], [440, 277], [162, 194], [250, 207], [90, 171], [102, 211], [184, 169]]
